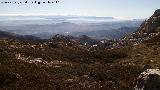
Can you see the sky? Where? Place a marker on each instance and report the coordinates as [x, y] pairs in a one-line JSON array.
[[105, 8]]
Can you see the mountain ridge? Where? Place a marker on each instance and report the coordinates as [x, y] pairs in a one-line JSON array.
[[8, 35]]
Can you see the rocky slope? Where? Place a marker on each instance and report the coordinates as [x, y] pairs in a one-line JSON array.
[[152, 25], [147, 30]]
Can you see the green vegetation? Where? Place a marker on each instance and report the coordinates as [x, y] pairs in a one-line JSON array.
[[66, 67]]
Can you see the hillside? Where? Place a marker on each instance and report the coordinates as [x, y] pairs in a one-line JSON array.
[[63, 64], [8, 35], [147, 30], [26, 65]]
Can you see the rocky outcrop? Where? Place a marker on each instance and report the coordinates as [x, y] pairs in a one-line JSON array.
[[148, 80], [147, 30], [152, 25]]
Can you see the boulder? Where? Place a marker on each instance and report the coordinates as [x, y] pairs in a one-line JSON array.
[[148, 80]]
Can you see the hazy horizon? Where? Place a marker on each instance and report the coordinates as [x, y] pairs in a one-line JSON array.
[[68, 15], [101, 8]]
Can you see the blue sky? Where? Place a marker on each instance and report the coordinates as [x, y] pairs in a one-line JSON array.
[[113, 8]]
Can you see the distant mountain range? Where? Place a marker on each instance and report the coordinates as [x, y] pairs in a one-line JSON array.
[[8, 35], [46, 27], [107, 34]]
